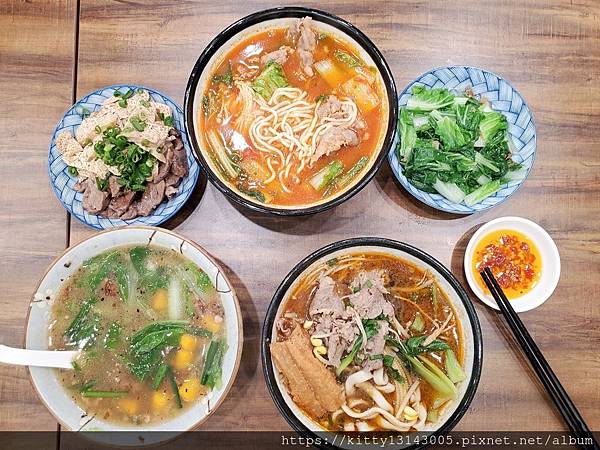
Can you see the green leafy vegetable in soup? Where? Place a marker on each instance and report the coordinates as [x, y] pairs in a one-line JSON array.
[[151, 328], [271, 78]]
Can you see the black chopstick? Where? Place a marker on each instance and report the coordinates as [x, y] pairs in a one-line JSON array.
[[557, 393]]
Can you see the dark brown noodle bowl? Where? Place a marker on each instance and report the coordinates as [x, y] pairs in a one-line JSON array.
[[455, 295], [194, 90]]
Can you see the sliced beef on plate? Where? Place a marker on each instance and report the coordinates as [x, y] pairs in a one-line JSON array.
[[120, 204], [131, 212], [109, 213], [113, 186], [172, 180], [94, 200], [179, 165], [311, 384], [171, 191], [151, 198], [334, 139], [164, 167]]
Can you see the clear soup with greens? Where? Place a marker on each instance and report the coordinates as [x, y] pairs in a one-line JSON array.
[[150, 325]]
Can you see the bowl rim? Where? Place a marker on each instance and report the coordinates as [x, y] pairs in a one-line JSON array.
[[276, 13], [384, 243], [516, 223], [240, 328], [400, 170], [189, 150]]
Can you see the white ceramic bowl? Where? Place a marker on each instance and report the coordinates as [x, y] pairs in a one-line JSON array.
[[548, 253], [45, 381], [471, 332]]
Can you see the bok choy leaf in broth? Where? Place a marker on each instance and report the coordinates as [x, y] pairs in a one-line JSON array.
[[271, 78]]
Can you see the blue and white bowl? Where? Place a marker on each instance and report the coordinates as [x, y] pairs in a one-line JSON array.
[[505, 99], [62, 183]]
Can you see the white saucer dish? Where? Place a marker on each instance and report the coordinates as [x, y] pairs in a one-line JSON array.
[[548, 253]]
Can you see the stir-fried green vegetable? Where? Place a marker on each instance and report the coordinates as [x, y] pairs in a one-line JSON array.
[[454, 145], [424, 99], [271, 78]]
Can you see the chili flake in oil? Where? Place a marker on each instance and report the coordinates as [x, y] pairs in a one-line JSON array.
[[513, 258]]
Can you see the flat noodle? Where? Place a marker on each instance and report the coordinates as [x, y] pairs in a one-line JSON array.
[[289, 130]]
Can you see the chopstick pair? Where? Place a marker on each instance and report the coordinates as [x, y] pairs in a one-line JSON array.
[[557, 393]]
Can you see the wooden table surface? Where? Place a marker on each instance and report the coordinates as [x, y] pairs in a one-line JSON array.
[[53, 51]]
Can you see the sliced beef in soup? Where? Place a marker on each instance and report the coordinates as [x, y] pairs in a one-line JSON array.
[[306, 41], [384, 329], [279, 56], [334, 139]]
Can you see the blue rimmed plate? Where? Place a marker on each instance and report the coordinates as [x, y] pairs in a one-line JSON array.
[[505, 99], [62, 183]]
